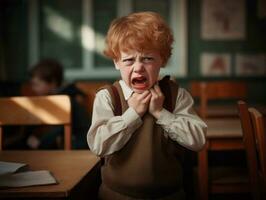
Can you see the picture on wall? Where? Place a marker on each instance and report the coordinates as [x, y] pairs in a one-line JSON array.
[[223, 19], [251, 65], [215, 64]]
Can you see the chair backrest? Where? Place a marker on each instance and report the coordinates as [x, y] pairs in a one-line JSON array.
[[250, 146], [90, 89], [41, 110], [258, 122], [217, 90]]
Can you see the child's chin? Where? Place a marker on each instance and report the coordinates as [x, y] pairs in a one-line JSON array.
[[140, 91]]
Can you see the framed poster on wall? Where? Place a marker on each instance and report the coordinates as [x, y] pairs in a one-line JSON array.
[[223, 19], [215, 64], [250, 64]]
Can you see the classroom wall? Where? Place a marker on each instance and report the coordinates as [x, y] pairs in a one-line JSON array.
[[253, 43], [13, 40], [14, 44]]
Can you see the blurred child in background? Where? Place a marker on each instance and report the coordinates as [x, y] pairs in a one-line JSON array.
[[46, 78]]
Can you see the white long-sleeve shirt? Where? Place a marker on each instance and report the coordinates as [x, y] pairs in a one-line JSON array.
[[109, 133]]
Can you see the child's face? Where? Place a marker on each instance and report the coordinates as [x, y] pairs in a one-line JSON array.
[[140, 71], [41, 87]]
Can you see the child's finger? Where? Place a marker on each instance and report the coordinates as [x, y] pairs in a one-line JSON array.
[[144, 94], [153, 92], [147, 98], [158, 90]]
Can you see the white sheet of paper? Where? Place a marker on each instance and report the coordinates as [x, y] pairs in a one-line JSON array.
[[10, 167], [29, 178]]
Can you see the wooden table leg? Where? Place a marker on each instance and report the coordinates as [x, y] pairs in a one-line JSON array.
[[203, 176]]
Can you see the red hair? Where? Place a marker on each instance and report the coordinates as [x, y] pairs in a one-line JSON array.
[[143, 32]]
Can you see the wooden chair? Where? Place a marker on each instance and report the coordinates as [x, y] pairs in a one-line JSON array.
[[208, 92], [250, 147], [90, 89], [42, 110], [258, 122], [223, 134]]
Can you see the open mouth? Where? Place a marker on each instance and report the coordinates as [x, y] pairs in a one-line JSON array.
[[140, 82]]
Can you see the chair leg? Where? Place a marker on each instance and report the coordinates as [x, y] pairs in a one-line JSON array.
[[203, 176], [67, 137]]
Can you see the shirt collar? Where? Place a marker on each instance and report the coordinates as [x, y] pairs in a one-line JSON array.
[[127, 91]]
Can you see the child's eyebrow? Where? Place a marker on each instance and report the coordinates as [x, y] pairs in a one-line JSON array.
[[148, 54], [126, 57]]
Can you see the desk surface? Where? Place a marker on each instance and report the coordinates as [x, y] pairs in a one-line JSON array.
[[68, 167], [224, 128], [230, 110]]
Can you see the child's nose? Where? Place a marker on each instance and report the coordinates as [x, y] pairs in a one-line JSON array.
[[138, 67]]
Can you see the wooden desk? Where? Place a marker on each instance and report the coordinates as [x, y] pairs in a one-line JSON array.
[[223, 134], [76, 172], [230, 110]]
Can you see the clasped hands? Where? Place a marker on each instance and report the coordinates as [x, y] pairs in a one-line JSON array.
[[150, 100]]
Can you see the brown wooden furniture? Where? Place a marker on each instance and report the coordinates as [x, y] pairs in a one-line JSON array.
[[42, 110], [253, 128], [250, 144], [77, 173], [218, 108], [90, 89], [259, 124], [222, 135], [211, 91]]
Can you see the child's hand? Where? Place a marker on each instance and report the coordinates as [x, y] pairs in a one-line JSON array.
[[156, 102], [140, 102]]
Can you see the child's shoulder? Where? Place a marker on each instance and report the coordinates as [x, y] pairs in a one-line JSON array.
[[107, 90], [102, 93]]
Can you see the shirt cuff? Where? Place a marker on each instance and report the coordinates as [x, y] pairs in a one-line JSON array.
[[131, 118], [165, 117]]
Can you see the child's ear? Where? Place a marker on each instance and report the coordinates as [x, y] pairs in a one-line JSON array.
[[116, 65]]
